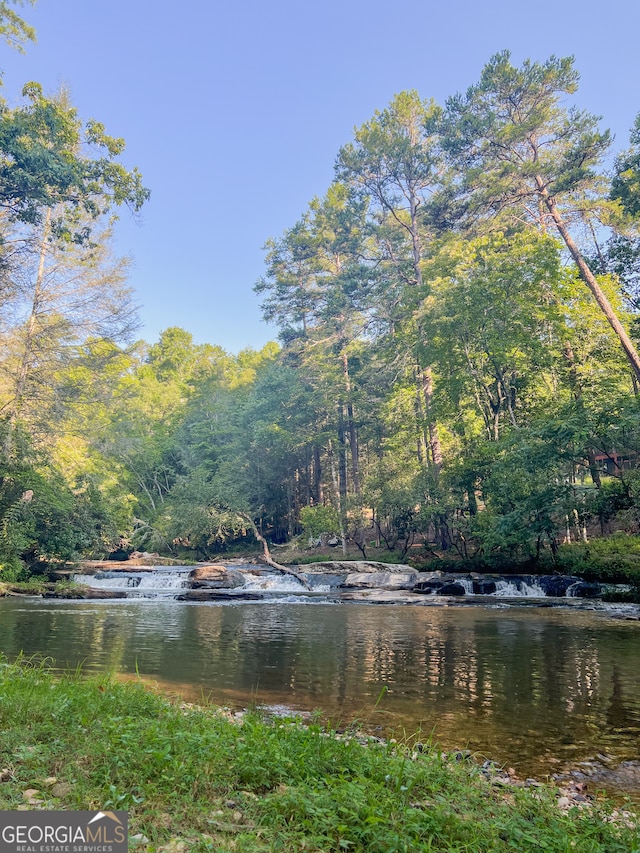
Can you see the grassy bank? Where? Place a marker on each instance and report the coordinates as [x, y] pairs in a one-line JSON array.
[[192, 779]]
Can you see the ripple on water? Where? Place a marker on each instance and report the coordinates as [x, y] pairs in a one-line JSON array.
[[537, 689]]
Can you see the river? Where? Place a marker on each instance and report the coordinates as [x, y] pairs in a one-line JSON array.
[[538, 689]]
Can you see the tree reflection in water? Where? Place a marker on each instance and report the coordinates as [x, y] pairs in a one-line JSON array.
[[525, 686]]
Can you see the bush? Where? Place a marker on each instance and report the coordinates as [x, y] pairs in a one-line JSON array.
[[317, 520]]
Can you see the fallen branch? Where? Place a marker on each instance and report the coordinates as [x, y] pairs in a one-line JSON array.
[[267, 554]]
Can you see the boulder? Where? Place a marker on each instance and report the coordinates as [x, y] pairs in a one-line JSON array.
[[428, 587], [215, 577], [380, 580], [483, 586], [555, 586], [207, 573], [219, 595], [452, 588], [582, 589]]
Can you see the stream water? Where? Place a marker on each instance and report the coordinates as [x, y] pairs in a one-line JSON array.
[[538, 689]]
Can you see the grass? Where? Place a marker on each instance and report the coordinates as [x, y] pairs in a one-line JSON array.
[[192, 779]]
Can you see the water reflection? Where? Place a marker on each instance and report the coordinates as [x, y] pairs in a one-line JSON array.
[[526, 687]]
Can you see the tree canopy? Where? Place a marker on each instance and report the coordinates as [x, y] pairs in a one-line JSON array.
[[443, 378]]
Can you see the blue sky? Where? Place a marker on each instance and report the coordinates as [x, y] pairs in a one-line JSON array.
[[234, 113]]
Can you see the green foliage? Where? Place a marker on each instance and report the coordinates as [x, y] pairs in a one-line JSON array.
[[615, 559], [514, 137], [316, 520], [444, 379], [191, 520], [625, 186], [14, 29], [41, 167], [43, 519]]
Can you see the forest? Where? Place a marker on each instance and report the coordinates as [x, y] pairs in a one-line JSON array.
[[456, 375]]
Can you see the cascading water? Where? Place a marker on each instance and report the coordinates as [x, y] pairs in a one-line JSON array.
[[242, 582], [518, 588], [273, 582], [159, 581], [172, 582]]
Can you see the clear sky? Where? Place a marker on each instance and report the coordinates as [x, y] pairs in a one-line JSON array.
[[234, 112]]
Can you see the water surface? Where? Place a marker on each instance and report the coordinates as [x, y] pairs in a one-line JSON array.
[[536, 689]]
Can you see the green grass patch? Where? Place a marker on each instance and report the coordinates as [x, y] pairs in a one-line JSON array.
[[189, 774]]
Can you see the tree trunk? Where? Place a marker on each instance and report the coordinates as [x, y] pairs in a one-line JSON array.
[[355, 451], [593, 469], [336, 488], [353, 435], [267, 554], [317, 473], [29, 338], [590, 280], [422, 437], [342, 456], [434, 436]]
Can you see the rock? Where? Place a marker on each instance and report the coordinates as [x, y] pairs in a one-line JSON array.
[[427, 587], [175, 845], [554, 585], [61, 789], [584, 590], [32, 797], [219, 595], [483, 586], [380, 580], [323, 580], [208, 573], [86, 592], [453, 588], [440, 584], [215, 577], [333, 542]]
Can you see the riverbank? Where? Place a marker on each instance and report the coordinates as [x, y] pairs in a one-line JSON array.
[[191, 778]]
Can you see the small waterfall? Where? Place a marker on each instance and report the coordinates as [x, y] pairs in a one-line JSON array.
[[168, 580], [158, 581], [108, 580], [518, 588]]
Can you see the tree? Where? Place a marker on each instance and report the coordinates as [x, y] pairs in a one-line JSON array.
[[625, 186], [317, 291], [14, 29], [61, 298], [43, 166], [524, 157], [493, 318], [395, 164]]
